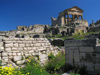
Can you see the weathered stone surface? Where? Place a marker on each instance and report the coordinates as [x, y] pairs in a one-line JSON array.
[[17, 58], [86, 49], [69, 56], [72, 43], [15, 45], [76, 57], [8, 49], [14, 48], [21, 45], [9, 45], [4, 54], [38, 44]]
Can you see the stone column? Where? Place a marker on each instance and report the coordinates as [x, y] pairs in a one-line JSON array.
[[62, 21], [65, 19]]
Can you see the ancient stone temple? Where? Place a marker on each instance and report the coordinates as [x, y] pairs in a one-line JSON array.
[[67, 16]]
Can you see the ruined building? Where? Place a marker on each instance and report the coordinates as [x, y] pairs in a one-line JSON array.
[[69, 15]]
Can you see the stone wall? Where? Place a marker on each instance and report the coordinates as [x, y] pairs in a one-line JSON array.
[[83, 53], [17, 48]]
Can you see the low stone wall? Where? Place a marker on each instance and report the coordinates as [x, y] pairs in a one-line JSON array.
[[83, 52], [18, 48]]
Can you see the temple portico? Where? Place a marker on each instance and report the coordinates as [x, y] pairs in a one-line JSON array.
[[67, 16]]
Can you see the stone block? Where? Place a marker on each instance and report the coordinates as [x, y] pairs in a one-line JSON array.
[[32, 45], [27, 39], [21, 39], [28, 45], [29, 42], [69, 56], [15, 45], [34, 42], [7, 39], [89, 42], [20, 49], [38, 44], [72, 43], [86, 49], [17, 58], [14, 48], [76, 57], [19, 42], [9, 45], [4, 54], [34, 48], [21, 45], [25, 42], [17, 39], [8, 49]]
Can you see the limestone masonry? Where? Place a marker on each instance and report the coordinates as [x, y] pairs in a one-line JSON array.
[[17, 48]]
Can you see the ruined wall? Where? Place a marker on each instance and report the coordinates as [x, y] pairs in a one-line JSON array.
[[83, 52], [17, 48], [79, 28], [95, 28], [82, 22]]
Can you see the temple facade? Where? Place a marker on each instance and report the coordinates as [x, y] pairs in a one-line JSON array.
[[67, 16]]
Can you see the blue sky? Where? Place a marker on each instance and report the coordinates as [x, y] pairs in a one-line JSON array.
[[29, 12]]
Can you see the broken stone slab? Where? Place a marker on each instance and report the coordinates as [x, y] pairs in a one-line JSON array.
[[17, 58]]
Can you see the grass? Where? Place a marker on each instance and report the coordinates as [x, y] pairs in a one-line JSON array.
[[77, 36]]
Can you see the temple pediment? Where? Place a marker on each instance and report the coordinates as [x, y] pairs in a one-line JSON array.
[[73, 9]]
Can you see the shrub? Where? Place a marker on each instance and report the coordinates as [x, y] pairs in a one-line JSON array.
[[54, 64]]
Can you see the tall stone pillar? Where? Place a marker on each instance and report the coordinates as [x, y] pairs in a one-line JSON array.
[[62, 21]]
